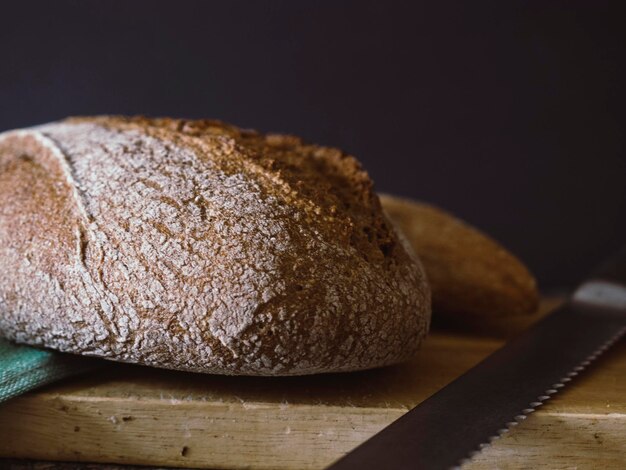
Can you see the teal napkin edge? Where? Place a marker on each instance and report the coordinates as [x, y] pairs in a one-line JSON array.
[[24, 368]]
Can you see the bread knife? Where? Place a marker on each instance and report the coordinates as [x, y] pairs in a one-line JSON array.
[[446, 430]]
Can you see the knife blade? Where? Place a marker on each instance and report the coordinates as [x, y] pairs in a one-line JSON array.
[[449, 428]]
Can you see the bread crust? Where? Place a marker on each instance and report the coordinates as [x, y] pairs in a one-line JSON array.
[[198, 246], [469, 272]]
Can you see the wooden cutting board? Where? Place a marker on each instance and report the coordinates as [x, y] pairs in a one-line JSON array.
[[137, 415]]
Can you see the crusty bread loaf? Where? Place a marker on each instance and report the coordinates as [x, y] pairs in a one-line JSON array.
[[198, 246], [469, 273]]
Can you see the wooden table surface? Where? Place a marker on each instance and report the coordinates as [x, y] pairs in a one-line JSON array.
[[142, 416]]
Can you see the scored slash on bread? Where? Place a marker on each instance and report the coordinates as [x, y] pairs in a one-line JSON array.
[[195, 245], [469, 273]]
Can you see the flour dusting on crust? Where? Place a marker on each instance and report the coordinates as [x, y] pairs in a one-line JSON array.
[[195, 245]]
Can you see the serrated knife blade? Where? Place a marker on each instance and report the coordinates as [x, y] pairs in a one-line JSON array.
[[453, 425]]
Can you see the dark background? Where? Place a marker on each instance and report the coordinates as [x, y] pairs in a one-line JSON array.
[[509, 114]]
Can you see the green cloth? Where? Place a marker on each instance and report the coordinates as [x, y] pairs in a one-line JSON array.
[[23, 368]]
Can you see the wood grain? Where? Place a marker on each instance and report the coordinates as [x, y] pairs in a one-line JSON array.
[[142, 416]]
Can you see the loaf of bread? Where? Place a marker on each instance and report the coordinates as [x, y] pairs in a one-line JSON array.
[[198, 246], [469, 273]]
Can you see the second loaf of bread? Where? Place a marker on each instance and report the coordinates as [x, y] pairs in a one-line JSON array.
[[195, 245]]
